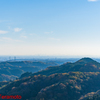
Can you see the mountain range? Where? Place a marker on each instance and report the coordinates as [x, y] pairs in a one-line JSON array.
[[82, 65], [70, 81], [10, 70]]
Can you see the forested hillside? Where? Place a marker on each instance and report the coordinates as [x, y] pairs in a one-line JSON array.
[[11, 70], [62, 86], [82, 65], [71, 81]]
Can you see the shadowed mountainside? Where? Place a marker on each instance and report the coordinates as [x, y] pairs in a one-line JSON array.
[[62, 86], [82, 65], [70, 81], [13, 70]]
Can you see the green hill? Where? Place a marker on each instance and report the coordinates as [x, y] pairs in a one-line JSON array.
[[62, 86], [82, 65], [70, 81], [12, 70]]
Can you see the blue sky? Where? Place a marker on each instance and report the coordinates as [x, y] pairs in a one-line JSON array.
[[50, 27]]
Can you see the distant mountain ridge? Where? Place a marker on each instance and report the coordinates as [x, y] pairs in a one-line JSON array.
[[86, 60], [69, 81], [10, 70], [82, 65]]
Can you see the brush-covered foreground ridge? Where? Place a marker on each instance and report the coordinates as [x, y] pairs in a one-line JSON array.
[[71, 81]]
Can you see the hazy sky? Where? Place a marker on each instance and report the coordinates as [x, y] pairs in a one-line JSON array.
[[50, 27]]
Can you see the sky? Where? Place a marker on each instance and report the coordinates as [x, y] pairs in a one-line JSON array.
[[50, 27]]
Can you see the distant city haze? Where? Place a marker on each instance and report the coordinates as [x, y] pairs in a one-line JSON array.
[[50, 28]]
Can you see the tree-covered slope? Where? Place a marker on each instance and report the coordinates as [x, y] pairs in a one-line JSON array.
[[70, 81], [12, 70], [62, 86], [82, 65], [91, 96]]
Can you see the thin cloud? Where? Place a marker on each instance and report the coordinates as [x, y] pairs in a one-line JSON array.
[[56, 39], [92, 0], [49, 32], [32, 34], [8, 39], [23, 36], [2, 21], [17, 29], [3, 32]]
